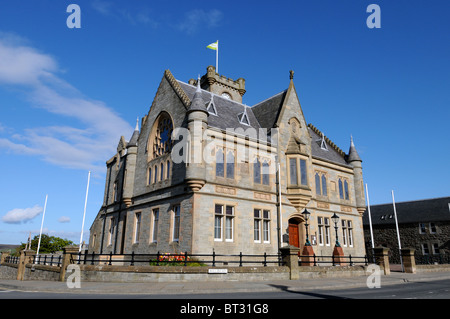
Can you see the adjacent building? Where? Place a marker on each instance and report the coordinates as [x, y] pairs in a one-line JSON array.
[[423, 225], [205, 172]]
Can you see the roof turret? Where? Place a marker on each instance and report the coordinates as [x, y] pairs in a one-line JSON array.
[[134, 138], [352, 153], [198, 104]]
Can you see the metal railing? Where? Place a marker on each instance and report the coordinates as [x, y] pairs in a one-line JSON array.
[[47, 260], [12, 259], [333, 260], [181, 259]]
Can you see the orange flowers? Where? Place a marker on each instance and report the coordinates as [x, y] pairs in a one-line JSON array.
[[172, 258]]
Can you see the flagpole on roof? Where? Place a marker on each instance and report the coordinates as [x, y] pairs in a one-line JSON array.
[[84, 213], [398, 233], [215, 46]]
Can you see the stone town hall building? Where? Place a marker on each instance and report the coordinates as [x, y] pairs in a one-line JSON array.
[[213, 183]]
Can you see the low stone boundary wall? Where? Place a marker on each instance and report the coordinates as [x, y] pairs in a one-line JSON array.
[[41, 272], [432, 268], [179, 273], [105, 273], [331, 271], [8, 271]]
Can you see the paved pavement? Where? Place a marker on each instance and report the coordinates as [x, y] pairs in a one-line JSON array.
[[211, 287]]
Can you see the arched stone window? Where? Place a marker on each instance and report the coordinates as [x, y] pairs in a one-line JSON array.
[[161, 136]]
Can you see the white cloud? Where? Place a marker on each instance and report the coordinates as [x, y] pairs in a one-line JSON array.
[[64, 219], [197, 18], [83, 147], [104, 7], [21, 64], [22, 215], [111, 10]]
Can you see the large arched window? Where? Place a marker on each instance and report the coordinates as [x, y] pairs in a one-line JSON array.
[[162, 135]]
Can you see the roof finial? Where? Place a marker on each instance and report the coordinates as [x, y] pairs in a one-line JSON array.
[[351, 140], [198, 84], [291, 74], [137, 124]]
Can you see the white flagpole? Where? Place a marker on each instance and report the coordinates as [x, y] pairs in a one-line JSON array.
[[84, 214], [42, 224], [217, 57], [398, 233], [370, 217], [370, 224]]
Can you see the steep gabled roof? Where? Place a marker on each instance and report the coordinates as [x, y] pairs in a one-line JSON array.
[[268, 110]]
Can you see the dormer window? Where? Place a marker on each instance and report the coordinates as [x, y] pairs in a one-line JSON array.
[[323, 143], [243, 117], [211, 108]]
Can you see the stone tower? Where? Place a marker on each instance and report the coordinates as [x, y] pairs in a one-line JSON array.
[[221, 85], [354, 160], [130, 166], [197, 124]]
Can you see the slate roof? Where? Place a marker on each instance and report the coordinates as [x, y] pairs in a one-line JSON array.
[[227, 110], [262, 115], [267, 111], [331, 154], [426, 210]]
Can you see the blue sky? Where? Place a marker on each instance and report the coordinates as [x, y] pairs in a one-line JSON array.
[[67, 95]]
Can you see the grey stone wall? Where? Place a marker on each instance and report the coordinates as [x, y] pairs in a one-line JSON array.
[[410, 237], [8, 272]]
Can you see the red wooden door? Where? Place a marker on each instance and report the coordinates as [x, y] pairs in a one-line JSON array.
[[293, 235]]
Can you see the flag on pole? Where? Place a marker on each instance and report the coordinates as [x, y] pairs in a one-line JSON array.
[[215, 46]]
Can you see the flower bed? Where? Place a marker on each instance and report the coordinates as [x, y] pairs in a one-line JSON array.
[[175, 260]]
